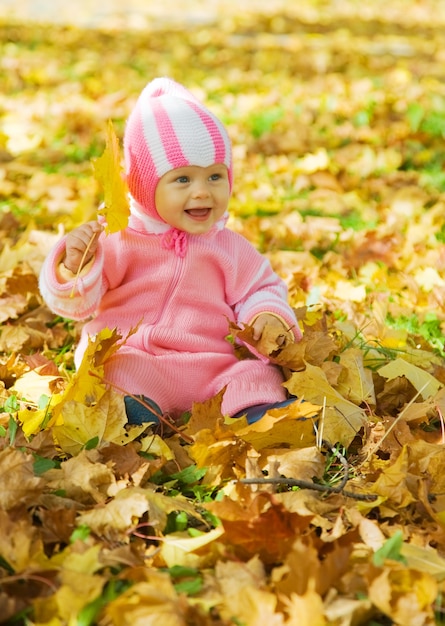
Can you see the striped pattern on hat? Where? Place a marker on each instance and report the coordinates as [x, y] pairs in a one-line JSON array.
[[169, 128]]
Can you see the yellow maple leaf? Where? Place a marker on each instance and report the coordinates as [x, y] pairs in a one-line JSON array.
[[306, 609], [33, 421], [88, 384], [292, 425], [342, 419], [424, 559], [150, 601], [253, 606], [105, 421], [108, 173], [356, 383], [394, 482], [33, 385], [180, 548], [424, 383], [403, 594], [76, 591]]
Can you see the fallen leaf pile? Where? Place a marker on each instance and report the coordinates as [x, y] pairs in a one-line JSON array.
[[328, 512]]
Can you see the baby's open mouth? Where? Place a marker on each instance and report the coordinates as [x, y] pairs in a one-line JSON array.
[[202, 212]]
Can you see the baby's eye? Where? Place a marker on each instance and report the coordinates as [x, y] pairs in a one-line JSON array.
[[215, 177], [182, 179]]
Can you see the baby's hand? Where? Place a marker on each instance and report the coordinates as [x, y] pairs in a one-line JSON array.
[[77, 242], [283, 334]]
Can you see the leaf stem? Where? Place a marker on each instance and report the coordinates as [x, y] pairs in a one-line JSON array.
[[82, 263]]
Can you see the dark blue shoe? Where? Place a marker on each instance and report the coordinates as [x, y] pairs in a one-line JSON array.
[[255, 413], [139, 414]]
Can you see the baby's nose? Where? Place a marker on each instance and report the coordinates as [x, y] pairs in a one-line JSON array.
[[201, 190]]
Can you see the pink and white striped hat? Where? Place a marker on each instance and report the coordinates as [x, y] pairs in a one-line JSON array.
[[170, 128]]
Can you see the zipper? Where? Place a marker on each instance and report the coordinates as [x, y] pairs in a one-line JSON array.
[[179, 266]]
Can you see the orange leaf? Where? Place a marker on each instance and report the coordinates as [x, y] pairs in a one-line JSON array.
[[248, 522]]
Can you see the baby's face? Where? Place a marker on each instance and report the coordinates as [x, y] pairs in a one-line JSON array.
[[193, 198]]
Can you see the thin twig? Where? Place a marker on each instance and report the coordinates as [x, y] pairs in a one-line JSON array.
[[24, 577], [305, 484]]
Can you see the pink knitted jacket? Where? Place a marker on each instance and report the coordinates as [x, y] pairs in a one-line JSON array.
[[179, 353]]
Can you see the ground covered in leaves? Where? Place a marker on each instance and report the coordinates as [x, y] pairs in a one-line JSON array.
[[331, 512]]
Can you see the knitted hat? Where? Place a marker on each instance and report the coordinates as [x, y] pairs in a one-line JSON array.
[[169, 128]]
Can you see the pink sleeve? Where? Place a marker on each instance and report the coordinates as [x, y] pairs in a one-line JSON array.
[[257, 289], [78, 298]]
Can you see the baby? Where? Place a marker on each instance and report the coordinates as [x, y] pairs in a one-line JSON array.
[[175, 273]]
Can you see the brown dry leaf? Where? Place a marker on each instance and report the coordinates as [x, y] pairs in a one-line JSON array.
[[20, 544], [117, 517], [375, 247], [22, 337], [304, 464], [125, 460], [11, 307], [22, 280], [232, 576], [83, 478], [42, 365], [269, 343], [427, 459], [314, 347], [10, 606], [58, 524], [20, 487], [122, 513], [299, 568], [306, 563], [396, 393]]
